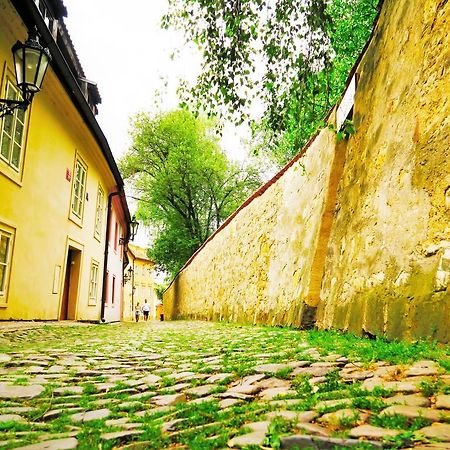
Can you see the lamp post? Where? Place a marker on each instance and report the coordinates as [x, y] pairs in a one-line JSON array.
[[31, 61]]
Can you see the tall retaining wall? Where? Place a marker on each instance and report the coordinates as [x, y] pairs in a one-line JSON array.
[[258, 266], [388, 264], [359, 239]]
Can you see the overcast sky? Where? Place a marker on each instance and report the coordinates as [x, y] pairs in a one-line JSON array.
[[123, 49]]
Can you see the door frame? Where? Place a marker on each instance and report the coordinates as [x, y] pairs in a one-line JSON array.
[[77, 247]]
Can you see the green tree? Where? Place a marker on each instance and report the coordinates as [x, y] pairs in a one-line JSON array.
[[186, 185], [290, 56], [313, 93]]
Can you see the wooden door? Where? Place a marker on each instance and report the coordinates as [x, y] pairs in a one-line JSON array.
[[65, 296]]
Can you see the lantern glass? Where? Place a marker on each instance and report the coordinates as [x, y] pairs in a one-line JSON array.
[[31, 66], [42, 69], [18, 63]]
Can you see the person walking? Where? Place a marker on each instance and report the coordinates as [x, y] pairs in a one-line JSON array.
[[137, 312], [145, 310]]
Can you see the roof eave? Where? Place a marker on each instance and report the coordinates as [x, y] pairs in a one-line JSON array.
[[32, 17]]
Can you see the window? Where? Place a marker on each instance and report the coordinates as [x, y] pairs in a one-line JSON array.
[[78, 189], [93, 283], [107, 288], [5, 260], [12, 131], [99, 213], [113, 294], [116, 236]]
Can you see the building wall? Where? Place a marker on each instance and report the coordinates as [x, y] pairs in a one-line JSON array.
[[36, 204], [367, 248], [128, 300], [258, 268], [388, 265], [114, 288], [143, 282], [145, 285]]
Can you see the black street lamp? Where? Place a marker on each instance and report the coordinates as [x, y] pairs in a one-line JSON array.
[[134, 225], [30, 62], [127, 275]]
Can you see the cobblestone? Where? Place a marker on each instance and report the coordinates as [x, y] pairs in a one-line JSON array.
[[169, 385]]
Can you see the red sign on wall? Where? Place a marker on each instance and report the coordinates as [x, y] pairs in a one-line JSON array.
[[68, 175]]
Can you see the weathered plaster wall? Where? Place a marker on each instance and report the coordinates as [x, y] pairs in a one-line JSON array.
[[388, 265], [364, 233], [258, 267]]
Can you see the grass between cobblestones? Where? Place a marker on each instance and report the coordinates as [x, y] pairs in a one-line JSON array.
[[110, 362]]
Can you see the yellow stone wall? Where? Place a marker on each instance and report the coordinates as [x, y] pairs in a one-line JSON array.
[[388, 266], [258, 268], [35, 204], [368, 245]]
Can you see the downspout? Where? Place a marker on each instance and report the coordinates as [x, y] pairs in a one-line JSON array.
[[132, 286], [105, 263]]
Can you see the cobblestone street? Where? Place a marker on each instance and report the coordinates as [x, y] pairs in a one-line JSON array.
[[202, 385]]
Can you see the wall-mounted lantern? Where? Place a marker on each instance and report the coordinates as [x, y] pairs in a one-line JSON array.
[[127, 276], [31, 61], [134, 225]]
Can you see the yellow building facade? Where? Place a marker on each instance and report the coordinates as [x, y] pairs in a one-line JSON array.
[[140, 283], [57, 176]]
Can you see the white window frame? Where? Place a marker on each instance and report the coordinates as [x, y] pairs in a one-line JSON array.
[[99, 213], [78, 190], [93, 282], [18, 117], [9, 234]]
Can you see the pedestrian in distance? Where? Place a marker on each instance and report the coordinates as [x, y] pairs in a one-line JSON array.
[[137, 312], [145, 310]]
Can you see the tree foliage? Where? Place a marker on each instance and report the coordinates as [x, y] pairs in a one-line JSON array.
[[185, 184], [289, 56], [313, 94]]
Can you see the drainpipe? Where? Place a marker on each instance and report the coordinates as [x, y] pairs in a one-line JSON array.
[[132, 287], [105, 263]]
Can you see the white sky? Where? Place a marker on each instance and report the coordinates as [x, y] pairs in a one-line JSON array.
[[123, 49]]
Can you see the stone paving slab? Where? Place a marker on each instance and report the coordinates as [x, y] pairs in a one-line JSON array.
[[323, 443], [57, 444], [371, 432], [165, 385], [9, 392], [439, 431]]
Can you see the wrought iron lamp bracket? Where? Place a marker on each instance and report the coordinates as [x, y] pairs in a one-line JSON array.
[[7, 106]]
